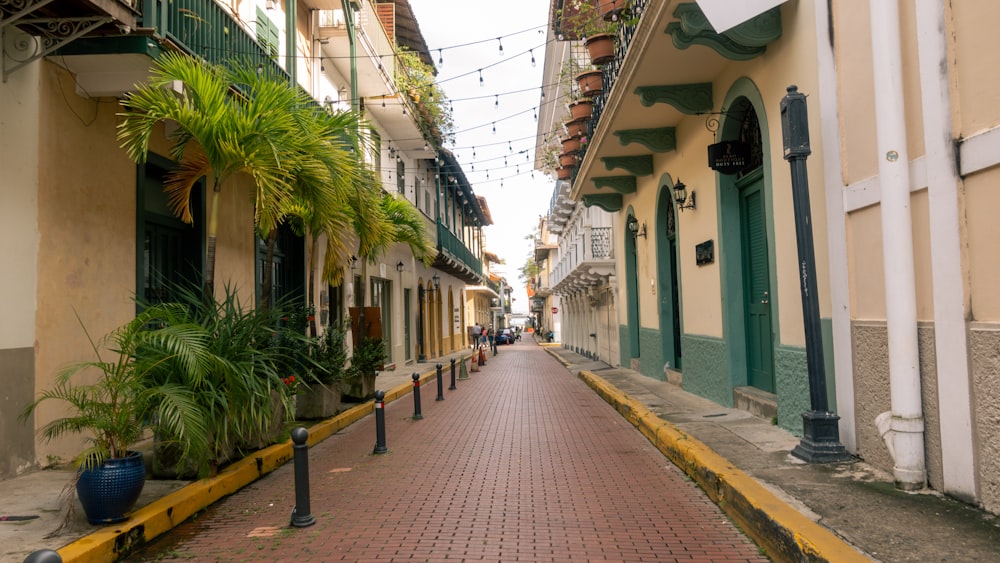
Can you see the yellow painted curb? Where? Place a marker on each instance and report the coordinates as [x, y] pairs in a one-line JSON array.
[[155, 519], [780, 529]]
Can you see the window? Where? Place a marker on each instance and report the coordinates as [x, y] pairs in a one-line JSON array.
[[267, 33], [171, 250]]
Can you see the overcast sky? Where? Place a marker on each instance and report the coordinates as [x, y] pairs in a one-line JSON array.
[[498, 165]]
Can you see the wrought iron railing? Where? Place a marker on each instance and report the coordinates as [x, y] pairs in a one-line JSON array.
[[206, 29], [611, 70]]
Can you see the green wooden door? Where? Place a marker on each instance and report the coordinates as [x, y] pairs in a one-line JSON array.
[[757, 289]]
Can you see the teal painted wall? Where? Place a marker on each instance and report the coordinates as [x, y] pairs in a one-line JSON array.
[[706, 371], [651, 350], [791, 381]]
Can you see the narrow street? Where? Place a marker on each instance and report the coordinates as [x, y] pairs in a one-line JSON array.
[[523, 462]]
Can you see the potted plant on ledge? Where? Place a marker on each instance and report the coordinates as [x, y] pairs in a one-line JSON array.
[[117, 410]]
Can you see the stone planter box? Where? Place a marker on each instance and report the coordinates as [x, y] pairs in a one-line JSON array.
[[318, 401]]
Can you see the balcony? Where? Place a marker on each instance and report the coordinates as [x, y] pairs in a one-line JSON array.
[[112, 65], [456, 258], [666, 60], [585, 261], [561, 207]]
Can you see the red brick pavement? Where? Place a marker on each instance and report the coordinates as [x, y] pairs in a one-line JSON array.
[[523, 462]]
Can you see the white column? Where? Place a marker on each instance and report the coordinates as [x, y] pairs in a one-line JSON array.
[[951, 350], [840, 293], [907, 422]]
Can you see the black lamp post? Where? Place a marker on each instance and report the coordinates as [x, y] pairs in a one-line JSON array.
[[820, 434]]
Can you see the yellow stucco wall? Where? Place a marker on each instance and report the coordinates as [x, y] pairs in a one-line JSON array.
[[789, 60], [19, 115], [86, 224], [982, 200], [974, 44], [87, 234]]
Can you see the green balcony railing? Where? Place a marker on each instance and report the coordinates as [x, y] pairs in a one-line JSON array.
[[206, 29], [448, 241]]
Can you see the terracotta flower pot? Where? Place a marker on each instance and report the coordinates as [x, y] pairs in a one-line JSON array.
[[591, 82], [601, 48], [564, 173], [581, 109], [570, 144], [567, 160], [577, 127]]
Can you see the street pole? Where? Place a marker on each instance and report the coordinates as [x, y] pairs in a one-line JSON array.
[[820, 430]]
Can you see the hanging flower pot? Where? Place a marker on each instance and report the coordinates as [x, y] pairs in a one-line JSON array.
[[577, 127], [570, 144], [564, 173], [601, 48], [567, 160], [581, 109], [591, 82]]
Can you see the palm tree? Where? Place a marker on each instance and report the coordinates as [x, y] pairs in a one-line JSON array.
[[219, 133]]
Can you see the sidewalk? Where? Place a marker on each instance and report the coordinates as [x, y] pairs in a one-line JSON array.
[[854, 500]]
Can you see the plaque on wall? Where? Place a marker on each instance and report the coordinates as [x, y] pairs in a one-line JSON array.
[[704, 253]]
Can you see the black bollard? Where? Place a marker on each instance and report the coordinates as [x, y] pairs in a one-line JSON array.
[[44, 556], [440, 396], [380, 423], [452, 388], [416, 397], [301, 515]]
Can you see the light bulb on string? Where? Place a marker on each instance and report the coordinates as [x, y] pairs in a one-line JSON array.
[[510, 147], [532, 51], [534, 112], [481, 81], [494, 127], [500, 43], [505, 161], [496, 101], [440, 58], [473, 151]]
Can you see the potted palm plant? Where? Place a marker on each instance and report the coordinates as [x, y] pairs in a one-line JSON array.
[[116, 411], [319, 395]]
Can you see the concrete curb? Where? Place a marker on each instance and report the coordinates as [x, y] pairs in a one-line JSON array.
[[159, 517], [780, 529]]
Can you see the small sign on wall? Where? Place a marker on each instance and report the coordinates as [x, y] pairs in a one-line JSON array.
[[704, 253]]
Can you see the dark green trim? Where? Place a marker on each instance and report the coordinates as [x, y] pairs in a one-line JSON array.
[[706, 371], [608, 202], [620, 184], [685, 98], [128, 44], [744, 42], [729, 249], [656, 139], [641, 165]]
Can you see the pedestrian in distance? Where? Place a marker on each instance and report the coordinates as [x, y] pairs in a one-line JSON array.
[[477, 334], [491, 337]]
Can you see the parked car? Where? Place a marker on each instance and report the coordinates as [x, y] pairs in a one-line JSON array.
[[506, 336]]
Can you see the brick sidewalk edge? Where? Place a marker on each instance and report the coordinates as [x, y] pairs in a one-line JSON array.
[[784, 532], [157, 518]]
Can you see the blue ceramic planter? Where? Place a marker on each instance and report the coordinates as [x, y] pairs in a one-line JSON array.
[[109, 491]]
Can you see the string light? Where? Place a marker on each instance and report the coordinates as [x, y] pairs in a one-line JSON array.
[[496, 101], [494, 127], [532, 51], [441, 59], [501, 46], [481, 82]]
